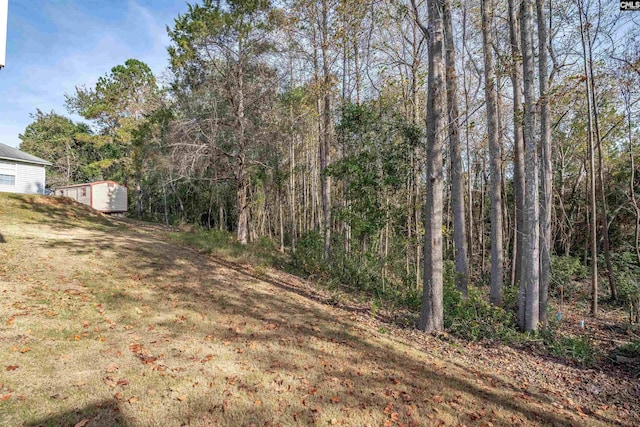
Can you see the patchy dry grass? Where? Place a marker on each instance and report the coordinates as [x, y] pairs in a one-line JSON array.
[[114, 323]]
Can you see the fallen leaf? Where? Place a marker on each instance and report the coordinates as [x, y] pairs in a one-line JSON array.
[[82, 423], [133, 400], [12, 368], [111, 367], [182, 397], [25, 350]]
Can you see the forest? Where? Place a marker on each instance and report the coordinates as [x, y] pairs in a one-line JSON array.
[[436, 156]]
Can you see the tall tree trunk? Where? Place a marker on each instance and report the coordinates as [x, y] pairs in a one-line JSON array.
[[518, 155], [431, 312], [592, 167], [531, 229], [603, 198], [545, 144], [292, 184], [495, 155], [457, 180], [326, 140]]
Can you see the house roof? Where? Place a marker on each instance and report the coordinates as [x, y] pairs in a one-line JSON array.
[[10, 153]]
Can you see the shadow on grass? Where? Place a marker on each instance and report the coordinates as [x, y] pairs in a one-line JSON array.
[[2, 239], [206, 284], [101, 414], [61, 212]]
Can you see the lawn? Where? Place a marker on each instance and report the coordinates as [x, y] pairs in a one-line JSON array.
[[108, 322]]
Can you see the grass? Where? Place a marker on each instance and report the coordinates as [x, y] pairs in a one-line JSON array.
[[120, 323]]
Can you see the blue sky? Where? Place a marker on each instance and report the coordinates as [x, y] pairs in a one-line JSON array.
[[55, 45]]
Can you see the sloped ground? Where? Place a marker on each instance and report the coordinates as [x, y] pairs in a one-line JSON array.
[[106, 322]]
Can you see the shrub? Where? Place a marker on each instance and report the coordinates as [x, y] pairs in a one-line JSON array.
[[626, 272], [577, 349], [309, 254], [564, 271], [474, 318]]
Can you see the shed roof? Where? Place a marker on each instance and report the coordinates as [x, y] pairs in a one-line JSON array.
[[10, 153], [85, 184]]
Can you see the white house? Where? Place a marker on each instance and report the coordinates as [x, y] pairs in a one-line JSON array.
[[104, 196], [21, 172]]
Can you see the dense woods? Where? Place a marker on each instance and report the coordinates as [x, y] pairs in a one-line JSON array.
[[410, 151]]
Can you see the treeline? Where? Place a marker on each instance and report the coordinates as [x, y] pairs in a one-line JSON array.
[[303, 122]]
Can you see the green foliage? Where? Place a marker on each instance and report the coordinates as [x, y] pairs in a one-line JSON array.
[[261, 253], [309, 254], [376, 147], [576, 349], [474, 318], [71, 147], [627, 276], [565, 270]]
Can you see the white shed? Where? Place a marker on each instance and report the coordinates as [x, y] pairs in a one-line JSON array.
[[21, 172], [103, 196]]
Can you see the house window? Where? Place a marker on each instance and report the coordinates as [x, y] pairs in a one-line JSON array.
[[8, 173], [84, 192], [7, 179]]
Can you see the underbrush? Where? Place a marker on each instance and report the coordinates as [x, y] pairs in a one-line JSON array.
[[358, 277], [577, 349], [261, 252]]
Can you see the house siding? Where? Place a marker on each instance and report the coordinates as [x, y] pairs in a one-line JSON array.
[[30, 179]]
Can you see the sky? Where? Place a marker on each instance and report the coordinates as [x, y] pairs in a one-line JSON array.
[[55, 45]]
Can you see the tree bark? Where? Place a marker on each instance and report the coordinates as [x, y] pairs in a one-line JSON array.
[[326, 140], [431, 313], [592, 168], [495, 155], [545, 144], [457, 181], [518, 150], [531, 229]]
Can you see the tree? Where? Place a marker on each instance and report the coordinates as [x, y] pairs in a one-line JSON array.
[[530, 299], [431, 312], [457, 179], [545, 144], [65, 143], [592, 167], [495, 155], [518, 151], [219, 52]]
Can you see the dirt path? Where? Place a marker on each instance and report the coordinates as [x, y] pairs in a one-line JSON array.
[[116, 324]]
